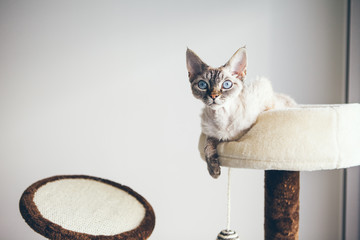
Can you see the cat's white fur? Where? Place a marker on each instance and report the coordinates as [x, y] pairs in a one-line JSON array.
[[231, 120]]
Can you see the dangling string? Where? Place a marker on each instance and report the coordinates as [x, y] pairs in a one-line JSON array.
[[229, 199], [228, 234]]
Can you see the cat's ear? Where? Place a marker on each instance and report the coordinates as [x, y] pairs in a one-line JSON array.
[[194, 64], [238, 63]]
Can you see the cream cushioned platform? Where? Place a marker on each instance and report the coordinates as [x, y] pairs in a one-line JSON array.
[[308, 137]]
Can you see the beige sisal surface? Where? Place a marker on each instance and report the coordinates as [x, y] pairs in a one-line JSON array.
[[89, 206], [309, 137]]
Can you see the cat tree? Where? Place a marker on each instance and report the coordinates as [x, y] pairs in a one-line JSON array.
[[285, 142]]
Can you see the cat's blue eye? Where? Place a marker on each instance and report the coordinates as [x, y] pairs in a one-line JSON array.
[[227, 84], [202, 84]]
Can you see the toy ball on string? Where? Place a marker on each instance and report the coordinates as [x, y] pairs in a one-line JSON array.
[[228, 235]]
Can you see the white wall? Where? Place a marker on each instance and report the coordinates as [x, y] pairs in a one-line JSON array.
[[100, 88]]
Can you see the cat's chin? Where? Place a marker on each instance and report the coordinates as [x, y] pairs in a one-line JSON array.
[[214, 106]]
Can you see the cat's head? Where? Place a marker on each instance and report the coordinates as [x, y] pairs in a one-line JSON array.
[[216, 86]]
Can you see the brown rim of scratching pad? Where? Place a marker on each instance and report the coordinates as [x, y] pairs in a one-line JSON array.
[[94, 186]]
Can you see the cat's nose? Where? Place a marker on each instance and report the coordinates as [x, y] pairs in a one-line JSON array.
[[214, 94]]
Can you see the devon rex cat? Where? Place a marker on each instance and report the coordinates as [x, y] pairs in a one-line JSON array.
[[232, 103]]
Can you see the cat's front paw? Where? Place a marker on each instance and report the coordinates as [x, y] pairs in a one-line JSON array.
[[214, 166]]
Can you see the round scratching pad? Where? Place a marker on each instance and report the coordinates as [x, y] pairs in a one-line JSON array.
[[305, 138], [84, 207]]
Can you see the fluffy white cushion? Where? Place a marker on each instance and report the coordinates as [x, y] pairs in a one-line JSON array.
[[309, 137]]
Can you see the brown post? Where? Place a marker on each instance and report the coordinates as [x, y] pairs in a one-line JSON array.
[[282, 205]]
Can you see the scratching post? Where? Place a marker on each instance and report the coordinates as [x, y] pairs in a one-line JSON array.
[[287, 141], [79, 207], [281, 205]]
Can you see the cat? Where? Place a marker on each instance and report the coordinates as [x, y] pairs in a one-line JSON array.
[[232, 103]]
